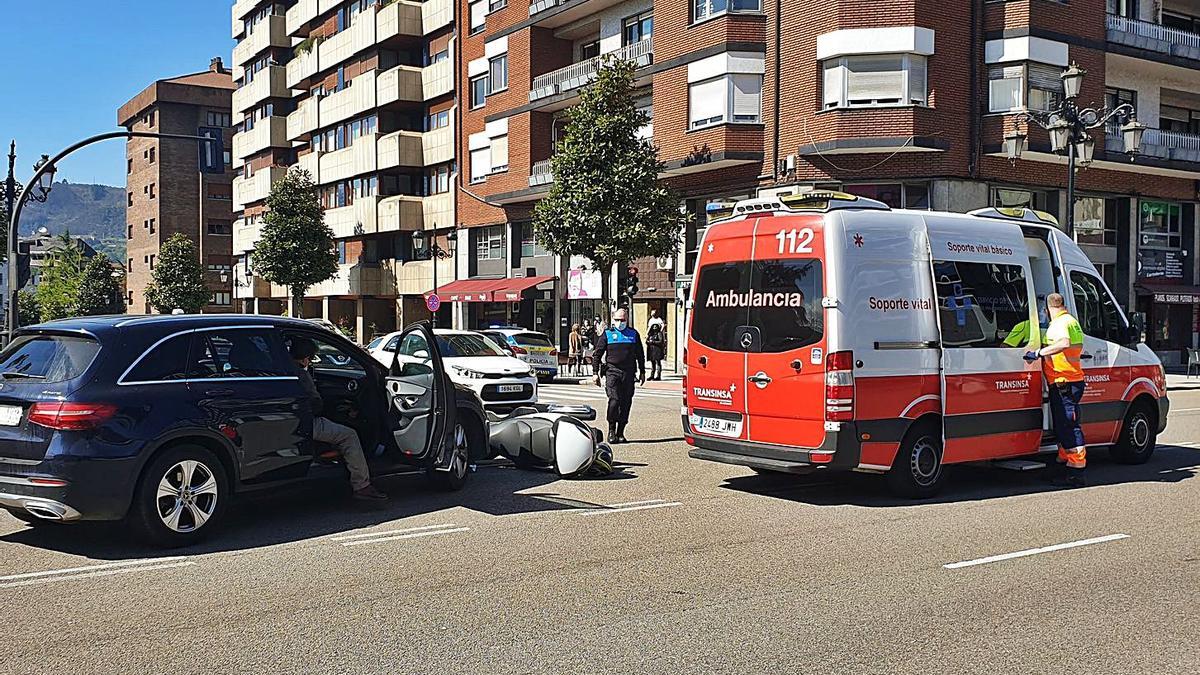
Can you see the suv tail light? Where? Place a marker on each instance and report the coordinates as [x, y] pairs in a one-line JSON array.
[[518, 350], [839, 387], [71, 416]]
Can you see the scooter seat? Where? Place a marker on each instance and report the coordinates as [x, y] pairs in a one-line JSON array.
[[519, 411]]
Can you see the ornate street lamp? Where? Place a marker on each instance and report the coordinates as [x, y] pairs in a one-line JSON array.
[[1068, 129], [434, 253]]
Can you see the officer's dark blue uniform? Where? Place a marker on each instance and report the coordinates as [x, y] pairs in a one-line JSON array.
[[620, 358]]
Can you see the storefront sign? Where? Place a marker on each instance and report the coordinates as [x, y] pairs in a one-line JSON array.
[[1160, 264], [1178, 298], [583, 284]]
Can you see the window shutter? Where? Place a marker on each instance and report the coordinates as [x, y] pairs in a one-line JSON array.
[[481, 164], [1042, 76], [918, 87], [875, 78], [499, 152], [707, 102], [747, 98], [834, 72], [478, 14]]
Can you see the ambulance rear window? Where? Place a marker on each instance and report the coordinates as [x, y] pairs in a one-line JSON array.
[[779, 299]]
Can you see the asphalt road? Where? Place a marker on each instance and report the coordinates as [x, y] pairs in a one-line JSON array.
[[672, 566]]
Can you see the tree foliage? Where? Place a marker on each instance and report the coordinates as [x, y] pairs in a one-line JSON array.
[[100, 288], [28, 310], [296, 248], [177, 281], [606, 202], [58, 284]]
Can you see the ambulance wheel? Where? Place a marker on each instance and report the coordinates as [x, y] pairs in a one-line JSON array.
[[1138, 436], [917, 472]]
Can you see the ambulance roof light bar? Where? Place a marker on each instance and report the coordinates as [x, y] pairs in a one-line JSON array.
[[817, 200], [1016, 213]]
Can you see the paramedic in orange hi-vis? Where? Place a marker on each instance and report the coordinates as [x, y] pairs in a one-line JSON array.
[[1064, 378]]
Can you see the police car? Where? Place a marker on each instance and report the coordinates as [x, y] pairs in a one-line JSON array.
[[532, 347]]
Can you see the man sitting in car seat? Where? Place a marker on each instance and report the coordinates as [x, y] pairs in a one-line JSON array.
[[342, 437]]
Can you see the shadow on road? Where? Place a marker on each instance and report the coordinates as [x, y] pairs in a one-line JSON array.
[[316, 509], [1170, 464]]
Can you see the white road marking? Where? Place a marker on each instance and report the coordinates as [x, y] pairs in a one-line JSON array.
[[363, 535], [45, 578], [1035, 551], [1180, 469], [413, 535], [89, 568], [1185, 410], [647, 501], [624, 509]]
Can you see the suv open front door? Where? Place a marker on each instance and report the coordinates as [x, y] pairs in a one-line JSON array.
[[418, 391]]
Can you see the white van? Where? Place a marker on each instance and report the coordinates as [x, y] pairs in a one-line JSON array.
[[828, 330]]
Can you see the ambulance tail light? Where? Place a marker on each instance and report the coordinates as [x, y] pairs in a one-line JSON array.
[[839, 387]]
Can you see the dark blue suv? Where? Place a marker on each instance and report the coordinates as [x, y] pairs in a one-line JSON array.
[[160, 420]]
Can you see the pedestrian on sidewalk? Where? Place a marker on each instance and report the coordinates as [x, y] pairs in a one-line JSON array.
[[619, 357], [656, 348], [575, 350], [1063, 368]]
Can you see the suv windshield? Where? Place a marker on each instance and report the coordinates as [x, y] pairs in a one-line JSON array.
[[47, 358], [780, 299], [466, 345], [532, 340]]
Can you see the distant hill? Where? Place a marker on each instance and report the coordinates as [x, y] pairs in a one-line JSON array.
[[95, 213]]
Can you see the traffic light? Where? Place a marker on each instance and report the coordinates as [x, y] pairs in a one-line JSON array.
[[631, 282]]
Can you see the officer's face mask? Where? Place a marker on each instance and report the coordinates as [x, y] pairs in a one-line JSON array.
[[620, 325]]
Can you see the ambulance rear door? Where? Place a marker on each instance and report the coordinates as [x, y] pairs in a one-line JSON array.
[[986, 310]]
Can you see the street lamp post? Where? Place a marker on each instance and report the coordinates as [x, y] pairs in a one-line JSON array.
[[435, 253], [43, 178], [1068, 127]]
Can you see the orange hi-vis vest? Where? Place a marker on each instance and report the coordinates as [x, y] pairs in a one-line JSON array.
[[1065, 366]]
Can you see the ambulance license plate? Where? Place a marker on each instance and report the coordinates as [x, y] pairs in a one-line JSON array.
[[717, 426], [10, 415]]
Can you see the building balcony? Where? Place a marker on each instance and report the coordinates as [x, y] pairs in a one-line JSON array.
[[541, 173], [555, 13], [579, 74], [302, 67], [270, 132], [1153, 37], [270, 82], [242, 9], [1172, 146], [361, 217], [245, 236], [303, 120], [437, 79], [300, 16], [357, 280], [402, 18], [402, 83], [257, 187], [356, 99], [401, 213], [436, 14], [438, 146], [438, 210], [401, 148], [267, 34], [361, 157], [416, 276]]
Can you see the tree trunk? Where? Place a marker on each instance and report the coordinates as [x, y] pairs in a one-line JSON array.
[[297, 302]]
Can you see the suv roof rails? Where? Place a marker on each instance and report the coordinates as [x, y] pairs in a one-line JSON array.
[[820, 201], [1016, 213]]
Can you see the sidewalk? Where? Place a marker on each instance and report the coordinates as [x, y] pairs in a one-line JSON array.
[[1176, 382]]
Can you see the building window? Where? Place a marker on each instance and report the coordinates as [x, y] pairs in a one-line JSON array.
[[437, 120], [1125, 8], [129, 166], [494, 5], [220, 227], [498, 74], [1159, 225], [875, 80], [529, 244], [479, 89], [130, 265], [1090, 224], [219, 119], [1019, 199], [730, 98], [706, 9], [498, 150], [130, 199], [479, 10], [589, 50], [438, 57], [130, 235], [150, 223], [1179, 120], [437, 180], [341, 252], [151, 261], [152, 191], [638, 28], [222, 298], [895, 195], [227, 156], [152, 155], [490, 243], [481, 164], [1016, 86]]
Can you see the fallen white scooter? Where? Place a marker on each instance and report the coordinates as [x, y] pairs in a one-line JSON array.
[[551, 437]]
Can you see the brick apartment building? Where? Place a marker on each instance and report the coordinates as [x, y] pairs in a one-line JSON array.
[[163, 181], [360, 94], [907, 102]]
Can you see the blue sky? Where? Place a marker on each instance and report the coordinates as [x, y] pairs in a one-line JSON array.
[[70, 64]]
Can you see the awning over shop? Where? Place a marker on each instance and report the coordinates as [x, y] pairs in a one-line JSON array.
[[511, 292], [488, 290], [469, 290], [1171, 294]]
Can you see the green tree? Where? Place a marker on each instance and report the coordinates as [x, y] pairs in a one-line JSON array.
[[99, 288], [177, 281], [606, 202], [58, 283], [28, 310], [296, 247]]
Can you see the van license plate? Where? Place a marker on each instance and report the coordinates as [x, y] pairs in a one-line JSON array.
[[717, 426], [10, 415], [510, 388]]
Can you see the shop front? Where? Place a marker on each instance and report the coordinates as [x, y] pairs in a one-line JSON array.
[[1166, 290], [504, 302], [1172, 320]]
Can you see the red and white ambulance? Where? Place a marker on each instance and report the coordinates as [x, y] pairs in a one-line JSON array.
[[830, 331]]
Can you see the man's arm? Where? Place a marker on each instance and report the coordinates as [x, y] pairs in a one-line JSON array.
[[1055, 347], [598, 353]]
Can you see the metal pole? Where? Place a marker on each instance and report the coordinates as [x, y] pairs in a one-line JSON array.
[[200, 236], [433, 258], [1071, 184], [15, 214], [10, 196]]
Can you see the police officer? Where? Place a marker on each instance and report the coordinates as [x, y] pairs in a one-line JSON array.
[[1064, 378], [620, 358]]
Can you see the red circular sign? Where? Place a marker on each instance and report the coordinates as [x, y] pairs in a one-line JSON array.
[[433, 302]]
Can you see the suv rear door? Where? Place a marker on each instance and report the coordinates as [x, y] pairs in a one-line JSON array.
[[420, 395], [785, 359]]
